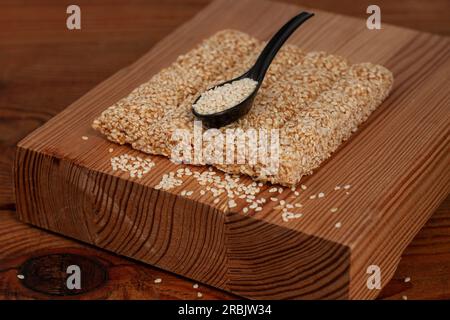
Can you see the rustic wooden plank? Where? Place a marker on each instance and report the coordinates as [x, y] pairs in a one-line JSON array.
[[381, 195], [426, 262], [427, 255], [42, 258]]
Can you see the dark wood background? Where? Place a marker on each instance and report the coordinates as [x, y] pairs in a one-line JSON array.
[[44, 67]]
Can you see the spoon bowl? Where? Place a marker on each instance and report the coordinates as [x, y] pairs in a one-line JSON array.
[[257, 73], [229, 115]]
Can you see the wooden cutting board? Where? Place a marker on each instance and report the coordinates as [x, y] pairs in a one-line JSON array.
[[396, 164]]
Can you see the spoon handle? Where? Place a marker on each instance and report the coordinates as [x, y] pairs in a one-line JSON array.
[[261, 65]]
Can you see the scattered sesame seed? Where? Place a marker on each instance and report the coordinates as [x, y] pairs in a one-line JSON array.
[[334, 209], [286, 216], [272, 190], [337, 188], [195, 286], [84, 138], [303, 187], [168, 181], [245, 210], [274, 199], [158, 280], [199, 294], [346, 187], [407, 279], [21, 276], [404, 297], [297, 193], [232, 203], [135, 166], [338, 225], [111, 150], [312, 196], [321, 195]]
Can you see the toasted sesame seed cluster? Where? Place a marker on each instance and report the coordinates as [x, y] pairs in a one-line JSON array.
[[316, 100]]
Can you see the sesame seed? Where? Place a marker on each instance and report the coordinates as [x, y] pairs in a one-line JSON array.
[[199, 294], [404, 297], [407, 279], [334, 209], [225, 96], [338, 225], [195, 286], [111, 150], [21, 276], [303, 187], [158, 280], [135, 166], [321, 195], [168, 181], [84, 138], [346, 187], [312, 196], [232, 203]]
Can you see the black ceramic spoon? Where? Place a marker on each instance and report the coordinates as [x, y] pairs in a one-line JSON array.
[[257, 73]]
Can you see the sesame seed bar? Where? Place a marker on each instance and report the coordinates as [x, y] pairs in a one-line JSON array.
[[315, 99]]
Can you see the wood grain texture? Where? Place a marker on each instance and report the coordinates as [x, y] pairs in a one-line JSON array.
[[54, 68], [380, 217], [42, 258], [426, 261]]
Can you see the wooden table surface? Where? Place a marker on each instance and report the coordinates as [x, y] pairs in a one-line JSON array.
[[44, 67]]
